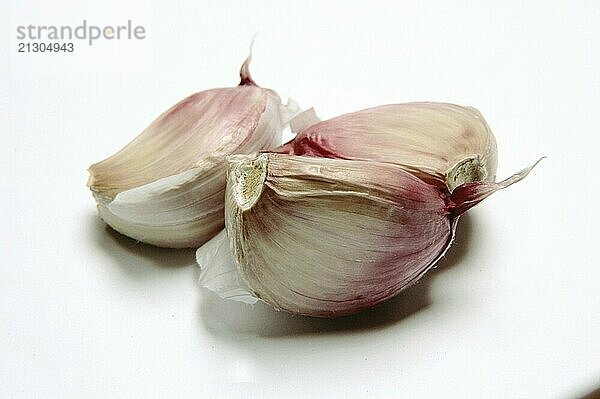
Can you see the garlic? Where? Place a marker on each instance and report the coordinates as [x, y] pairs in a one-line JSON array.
[[167, 186], [443, 144], [330, 237]]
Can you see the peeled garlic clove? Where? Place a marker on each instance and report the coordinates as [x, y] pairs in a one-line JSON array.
[[443, 144], [330, 237], [167, 186]]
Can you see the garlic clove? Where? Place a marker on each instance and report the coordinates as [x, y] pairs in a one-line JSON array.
[[166, 187], [330, 237], [443, 144]]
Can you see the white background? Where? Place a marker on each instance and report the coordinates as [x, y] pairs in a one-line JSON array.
[[512, 311]]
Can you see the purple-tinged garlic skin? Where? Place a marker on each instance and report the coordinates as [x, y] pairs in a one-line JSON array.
[[195, 122], [330, 237], [167, 186], [443, 144]]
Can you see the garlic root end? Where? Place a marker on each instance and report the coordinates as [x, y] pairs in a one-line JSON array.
[[468, 170], [249, 174], [467, 195]]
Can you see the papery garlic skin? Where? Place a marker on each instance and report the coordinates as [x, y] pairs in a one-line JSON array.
[[444, 144], [167, 186], [329, 237], [219, 271]]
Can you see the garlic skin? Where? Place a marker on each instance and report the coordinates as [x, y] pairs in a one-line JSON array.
[[443, 144], [167, 186], [330, 237], [219, 271]]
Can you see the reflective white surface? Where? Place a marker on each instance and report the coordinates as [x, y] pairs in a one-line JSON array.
[[512, 311]]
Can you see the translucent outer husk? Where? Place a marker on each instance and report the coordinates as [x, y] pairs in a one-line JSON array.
[[167, 186], [443, 144], [330, 237]]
